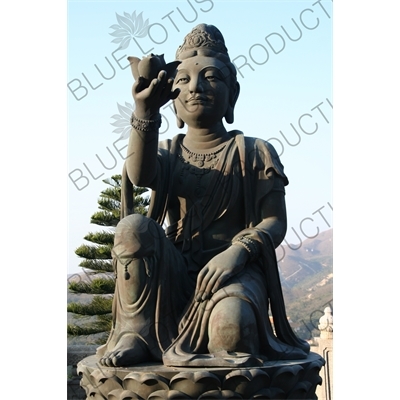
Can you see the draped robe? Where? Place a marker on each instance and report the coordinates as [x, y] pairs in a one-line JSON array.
[[168, 319]]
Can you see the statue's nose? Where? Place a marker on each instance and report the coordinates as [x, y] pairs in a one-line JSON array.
[[196, 85]]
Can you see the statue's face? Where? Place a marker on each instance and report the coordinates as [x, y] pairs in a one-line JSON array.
[[204, 91]]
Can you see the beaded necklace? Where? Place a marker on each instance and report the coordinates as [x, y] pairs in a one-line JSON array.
[[198, 164]]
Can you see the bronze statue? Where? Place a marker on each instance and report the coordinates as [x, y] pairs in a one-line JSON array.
[[199, 293]]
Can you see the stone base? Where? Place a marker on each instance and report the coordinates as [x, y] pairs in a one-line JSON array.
[[274, 380]]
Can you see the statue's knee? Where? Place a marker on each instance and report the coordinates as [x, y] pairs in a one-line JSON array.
[[136, 243], [233, 327], [137, 236]]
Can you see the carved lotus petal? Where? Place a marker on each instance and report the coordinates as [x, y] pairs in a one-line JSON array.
[[312, 375], [300, 391], [93, 393], [114, 394], [312, 372], [263, 394], [128, 395], [99, 376], [143, 384], [220, 394], [108, 386], [286, 377], [105, 381], [195, 383], [237, 380], [270, 394], [84, 382], [246, 382], [168, 394], [121, 394], [98, 396]]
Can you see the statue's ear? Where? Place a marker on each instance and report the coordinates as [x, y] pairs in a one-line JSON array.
[[179, 122], [232, 101]]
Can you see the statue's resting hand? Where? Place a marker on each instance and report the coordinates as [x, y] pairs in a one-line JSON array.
[[150, 97], [219, 269]]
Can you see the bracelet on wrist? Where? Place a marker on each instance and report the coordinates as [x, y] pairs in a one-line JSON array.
[[250, 245], [145, 125]]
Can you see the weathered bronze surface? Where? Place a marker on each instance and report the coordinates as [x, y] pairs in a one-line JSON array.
[[199, 292]]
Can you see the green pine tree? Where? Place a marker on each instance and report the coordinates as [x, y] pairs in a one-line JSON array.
[[97, 261]]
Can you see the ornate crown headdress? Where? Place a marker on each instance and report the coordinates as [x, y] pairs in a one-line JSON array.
[[207, 40], [204, 40]]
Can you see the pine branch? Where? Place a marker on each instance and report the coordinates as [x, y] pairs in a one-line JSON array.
[[98, 306], [105, 218], [75, 330], [140, 210], [112, 194], [103, 324], [141, 201], [97, 265], [105, 319], [102, 238], [114, 181], [96, 286], [137, 191], [94, 252]]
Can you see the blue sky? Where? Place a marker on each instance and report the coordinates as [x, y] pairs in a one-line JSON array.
[[286, 92], [366, 87]]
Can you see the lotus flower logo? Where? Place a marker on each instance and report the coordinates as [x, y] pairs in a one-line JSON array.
[[129, 26], [123, 120]]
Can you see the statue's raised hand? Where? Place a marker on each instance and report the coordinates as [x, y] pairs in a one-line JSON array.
[[219, 269], [153, 84], [149, 99]]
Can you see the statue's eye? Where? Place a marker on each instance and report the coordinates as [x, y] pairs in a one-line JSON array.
[[182, 79], [211, 77]]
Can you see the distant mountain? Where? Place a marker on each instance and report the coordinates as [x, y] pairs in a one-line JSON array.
[[312, 257], [307, 281]]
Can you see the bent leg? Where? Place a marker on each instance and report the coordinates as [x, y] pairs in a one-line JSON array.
[[233, 327], [136, 245], [128, 348], [146, 305]]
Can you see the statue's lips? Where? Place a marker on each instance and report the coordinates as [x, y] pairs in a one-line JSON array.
[[197, 100]]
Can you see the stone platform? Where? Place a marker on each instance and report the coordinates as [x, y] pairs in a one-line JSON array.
[[274, 380]]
